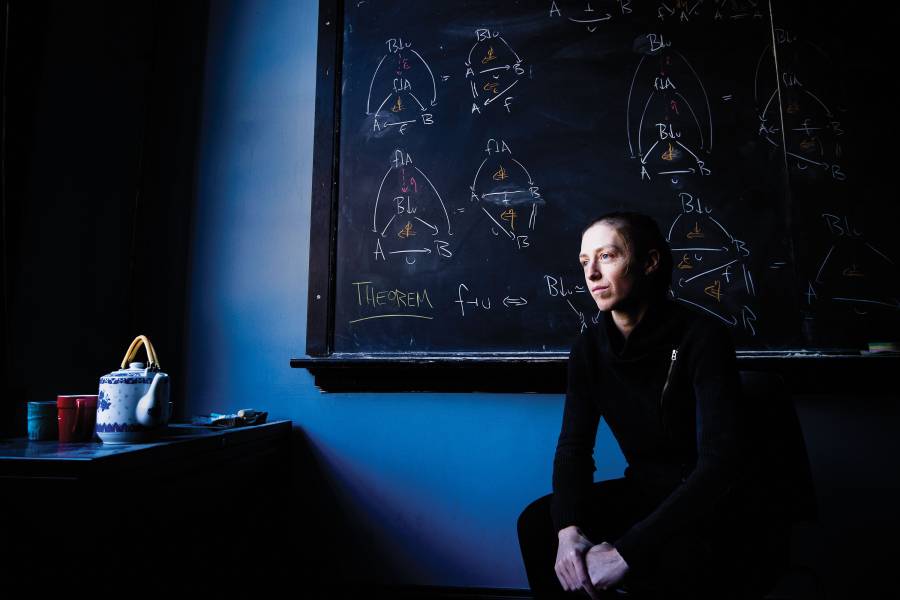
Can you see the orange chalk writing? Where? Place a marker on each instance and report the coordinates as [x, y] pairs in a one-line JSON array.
[[510, 215], [714, 290], [669, 154], [695, 232]]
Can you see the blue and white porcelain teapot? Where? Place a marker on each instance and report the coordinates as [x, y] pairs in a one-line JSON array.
[[133, 403]]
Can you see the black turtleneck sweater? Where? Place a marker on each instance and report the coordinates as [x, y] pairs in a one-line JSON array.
[[675, 417]]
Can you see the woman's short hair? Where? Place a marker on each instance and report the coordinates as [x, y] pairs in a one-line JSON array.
[[641, 233]]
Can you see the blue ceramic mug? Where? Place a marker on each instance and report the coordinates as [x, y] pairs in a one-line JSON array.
[[42, 420]]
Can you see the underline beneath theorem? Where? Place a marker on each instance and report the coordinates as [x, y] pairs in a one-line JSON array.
[[386, 316]]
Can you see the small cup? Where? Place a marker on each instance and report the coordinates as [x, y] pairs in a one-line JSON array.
[[66, 416], [42, 420], [77, 415], [86, 417]]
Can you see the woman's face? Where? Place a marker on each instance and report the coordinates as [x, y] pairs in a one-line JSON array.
[[605, 261]]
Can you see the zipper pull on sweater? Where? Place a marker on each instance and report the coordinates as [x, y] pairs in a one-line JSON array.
[[668, 377]]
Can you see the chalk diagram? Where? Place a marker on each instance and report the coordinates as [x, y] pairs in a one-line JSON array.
[[813, 131], [711, 268], [410, 219], [669, 122], [686, 11], [403, 90], [506, 194], [590, 15], [492, 70], [853, 272]]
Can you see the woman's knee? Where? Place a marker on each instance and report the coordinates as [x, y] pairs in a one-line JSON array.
[[536, 518]]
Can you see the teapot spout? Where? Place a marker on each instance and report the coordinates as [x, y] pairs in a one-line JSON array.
[[153, 407]]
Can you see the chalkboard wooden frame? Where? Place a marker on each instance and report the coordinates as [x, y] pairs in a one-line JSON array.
[[804, 373], [326, 139], [471, 371]]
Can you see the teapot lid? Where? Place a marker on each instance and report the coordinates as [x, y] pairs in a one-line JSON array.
[[135, 373], [133, 369]]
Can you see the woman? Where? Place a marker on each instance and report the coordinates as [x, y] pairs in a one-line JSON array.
[[666, 381]]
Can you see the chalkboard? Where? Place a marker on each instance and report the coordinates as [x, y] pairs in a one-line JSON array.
[[472, 142]]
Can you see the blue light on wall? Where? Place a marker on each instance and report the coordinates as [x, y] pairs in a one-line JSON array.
[[435, 482]]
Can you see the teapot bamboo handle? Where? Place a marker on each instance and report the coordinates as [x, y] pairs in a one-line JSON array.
[[130, 352], [135, 347]]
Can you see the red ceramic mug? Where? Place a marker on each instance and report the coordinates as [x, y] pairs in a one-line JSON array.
[[86, 417], [77, 415]]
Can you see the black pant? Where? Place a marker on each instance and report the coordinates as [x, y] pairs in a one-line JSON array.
[[691, 564]]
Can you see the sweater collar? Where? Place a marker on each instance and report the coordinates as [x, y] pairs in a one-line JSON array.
[[647, 334]]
